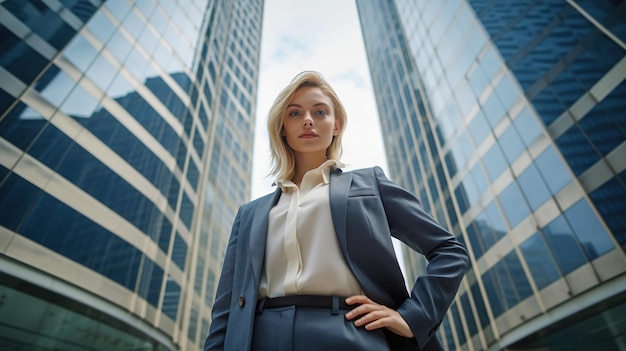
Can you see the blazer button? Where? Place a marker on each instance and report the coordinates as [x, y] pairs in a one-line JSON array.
[[242, 301]]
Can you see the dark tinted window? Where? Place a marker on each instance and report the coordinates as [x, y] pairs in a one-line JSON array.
[[179, 252], [41, 20], [21, 125], [564, 246], [609, 201], [19, 58], [16, 198], [540, 261], [553, 170], [150, 283], [605, 124], [171, 299], [588, 229], [60, 228]]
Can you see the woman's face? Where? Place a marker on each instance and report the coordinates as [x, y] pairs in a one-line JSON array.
[[309, 123]]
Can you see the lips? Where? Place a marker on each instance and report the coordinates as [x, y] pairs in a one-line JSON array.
[[307, 135]]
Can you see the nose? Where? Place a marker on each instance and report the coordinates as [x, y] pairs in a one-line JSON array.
[[308, 121]]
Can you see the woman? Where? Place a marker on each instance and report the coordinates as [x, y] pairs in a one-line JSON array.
[[312, 266]]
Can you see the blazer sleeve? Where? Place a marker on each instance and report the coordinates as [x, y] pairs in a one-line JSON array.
[[433, 291], [221, 306]]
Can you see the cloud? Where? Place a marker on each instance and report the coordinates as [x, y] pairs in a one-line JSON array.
[[324, 36]]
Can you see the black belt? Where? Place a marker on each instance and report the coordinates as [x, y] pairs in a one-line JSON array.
[[317, 301]]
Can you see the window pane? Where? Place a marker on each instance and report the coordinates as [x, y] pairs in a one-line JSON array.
[[101, 26], [475, 233], [133, 24], [55, 85], [119, 46], [136, 64], [480, 305], [150, 282], [179, 252], [449, 336], [118, 8], [604, 124], [478, 175], [496, 220], [553, 170], [539, 261], [513, 204], [527, 126], [494, 162], [42, 20], [465, 98], [16, 198], [171, 299], [563, 245], [609, 201], [79, 103], [533, 187], [507, 92], [511, 144], [478, 81], [577, 150], [461, 198], [593, 238], [490, 63], [460, 333], [50, 156], [606, 12], [101, 73], [21, 125], [494, 293], [469, 315], [80, 52], [518, 280], [479, 128], [494, 111]]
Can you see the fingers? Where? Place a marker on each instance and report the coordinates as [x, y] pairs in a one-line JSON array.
[[366, 306], [358, 299], [375, 316], [372, 320]]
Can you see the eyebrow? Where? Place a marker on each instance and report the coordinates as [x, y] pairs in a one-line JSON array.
[[314, 105]]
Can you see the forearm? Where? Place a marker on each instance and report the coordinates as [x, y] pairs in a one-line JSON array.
[[434, 291]]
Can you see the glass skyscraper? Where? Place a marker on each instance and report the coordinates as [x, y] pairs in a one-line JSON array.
[[508, 120], [126, 133]]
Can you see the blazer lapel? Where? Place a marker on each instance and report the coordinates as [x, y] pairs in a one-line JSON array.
[[339, 187], [258, 233]]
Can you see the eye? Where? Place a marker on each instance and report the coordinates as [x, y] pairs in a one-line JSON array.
[[294, 113], [321, 112]]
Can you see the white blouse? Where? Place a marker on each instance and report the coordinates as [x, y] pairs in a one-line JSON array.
[[302, 254]]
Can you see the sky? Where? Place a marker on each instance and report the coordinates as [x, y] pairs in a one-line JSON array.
[[324, 36]]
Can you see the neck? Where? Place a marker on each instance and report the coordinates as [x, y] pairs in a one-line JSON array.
[[305, 163]]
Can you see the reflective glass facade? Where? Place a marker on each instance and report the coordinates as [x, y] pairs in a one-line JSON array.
[[506, 119], [126, 133]]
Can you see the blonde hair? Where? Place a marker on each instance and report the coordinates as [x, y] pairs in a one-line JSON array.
[[282, 157]]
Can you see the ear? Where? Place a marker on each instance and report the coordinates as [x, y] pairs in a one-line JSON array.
[[336, 129]]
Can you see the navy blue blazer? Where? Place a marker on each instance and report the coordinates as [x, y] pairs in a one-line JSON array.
[[367, 210]]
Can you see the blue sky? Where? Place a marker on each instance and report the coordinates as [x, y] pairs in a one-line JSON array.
[[324, 36]]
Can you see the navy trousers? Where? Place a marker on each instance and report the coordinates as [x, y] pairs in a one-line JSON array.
[[312, 329]]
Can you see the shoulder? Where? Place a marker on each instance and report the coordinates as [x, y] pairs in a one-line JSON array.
[[371, 177], [372, 173], [251, 205]]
